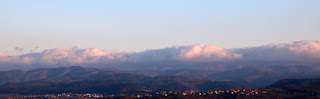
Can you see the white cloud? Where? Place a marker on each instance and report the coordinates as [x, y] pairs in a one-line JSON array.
[[66, 56], [207, 53], [192, 53], [79, 56], [296, 51]]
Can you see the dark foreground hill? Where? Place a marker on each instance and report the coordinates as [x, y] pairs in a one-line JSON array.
[[108, 87], [87, 86], [299, 88], [252, 76], [296, 83], [51, 73]]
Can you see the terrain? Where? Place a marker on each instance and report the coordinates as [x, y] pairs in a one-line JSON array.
[[83, 80]]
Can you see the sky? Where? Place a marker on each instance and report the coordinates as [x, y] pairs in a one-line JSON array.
[[28, 26]]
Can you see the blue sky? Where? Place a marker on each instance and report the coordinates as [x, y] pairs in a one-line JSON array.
[[132, 25]]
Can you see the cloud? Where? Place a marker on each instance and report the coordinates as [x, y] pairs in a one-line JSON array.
[[295, 51], [33, 49], [203, 52], [76, 56], [194, 53], [18, 49], [15, 60], [73, 56], [1, 54]]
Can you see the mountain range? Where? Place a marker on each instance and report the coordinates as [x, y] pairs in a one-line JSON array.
[[180, 80], [82, 80], [192, 67]]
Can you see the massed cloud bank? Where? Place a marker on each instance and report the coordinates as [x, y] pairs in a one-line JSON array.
[[294, 51], [308, 50]]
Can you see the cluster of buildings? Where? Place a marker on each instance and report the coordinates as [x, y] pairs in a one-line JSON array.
[[245, 92], [62, 95]]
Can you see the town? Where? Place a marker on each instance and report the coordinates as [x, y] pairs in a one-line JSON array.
[[157, 94]]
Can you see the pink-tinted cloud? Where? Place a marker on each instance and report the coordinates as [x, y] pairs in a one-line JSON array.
[[1, 54], [295, 51], [76, 56], [203, 52]]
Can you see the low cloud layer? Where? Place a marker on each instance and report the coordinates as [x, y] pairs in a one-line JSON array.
[[295, 51], [207, 53], [2, 54], [68, 56]]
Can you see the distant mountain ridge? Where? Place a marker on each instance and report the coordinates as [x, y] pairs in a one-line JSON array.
[[53, 73], [60, 79], [285, 83], [254, 76]]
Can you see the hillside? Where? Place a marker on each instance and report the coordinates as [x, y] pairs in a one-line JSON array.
[[298, 88], [290, 83], [252, 76], [67, 78], [51, 73], [86, 86]]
